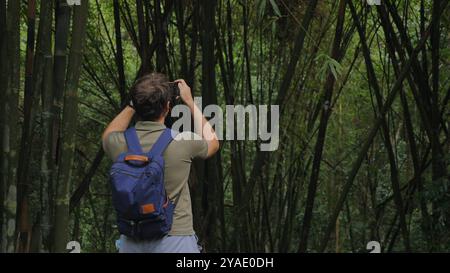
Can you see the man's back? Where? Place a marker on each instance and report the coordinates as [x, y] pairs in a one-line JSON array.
[[178, 158]]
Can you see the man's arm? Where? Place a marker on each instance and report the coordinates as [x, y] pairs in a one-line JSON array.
[[200, 122], [119, 123]]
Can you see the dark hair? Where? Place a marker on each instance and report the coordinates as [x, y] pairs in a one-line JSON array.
[[150, 95]]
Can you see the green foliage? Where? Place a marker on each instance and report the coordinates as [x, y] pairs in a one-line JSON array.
[[251, 59], [328, 64]]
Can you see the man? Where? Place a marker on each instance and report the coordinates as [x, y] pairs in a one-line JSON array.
[[151, 99]]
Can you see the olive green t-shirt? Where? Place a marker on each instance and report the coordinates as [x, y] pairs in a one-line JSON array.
[[178, 158]]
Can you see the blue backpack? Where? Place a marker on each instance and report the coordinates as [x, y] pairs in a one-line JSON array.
[[139, 197]]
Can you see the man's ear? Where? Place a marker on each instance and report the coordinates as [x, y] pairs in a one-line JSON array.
[[167, 110]]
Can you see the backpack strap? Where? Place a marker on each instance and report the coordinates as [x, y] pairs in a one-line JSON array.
[[161, 144], [133, 141]]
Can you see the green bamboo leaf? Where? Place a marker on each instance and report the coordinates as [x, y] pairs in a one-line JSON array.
[[333, 71], [275, 7], [262, 7]]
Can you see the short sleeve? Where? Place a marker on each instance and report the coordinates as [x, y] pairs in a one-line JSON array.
[[114, 144], [196, 146]]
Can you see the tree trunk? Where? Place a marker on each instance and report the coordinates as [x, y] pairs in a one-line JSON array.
[[23, 217], [3, 102], [179, 13], [212, 185], [428, 105], [119, 52], [368, 141], [9, 130], [373, 82], [162, 61], [439, 165], [337, 55], [262, 157], [43, 80], [83, 187], [62, 17], [144, 40], [69, 128]]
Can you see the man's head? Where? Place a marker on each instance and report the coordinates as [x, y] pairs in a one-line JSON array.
[[151, 95]]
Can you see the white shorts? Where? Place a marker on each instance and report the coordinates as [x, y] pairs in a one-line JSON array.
[[166, 244]]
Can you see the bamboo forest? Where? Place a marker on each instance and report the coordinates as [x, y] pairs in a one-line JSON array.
[[363, 93]]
